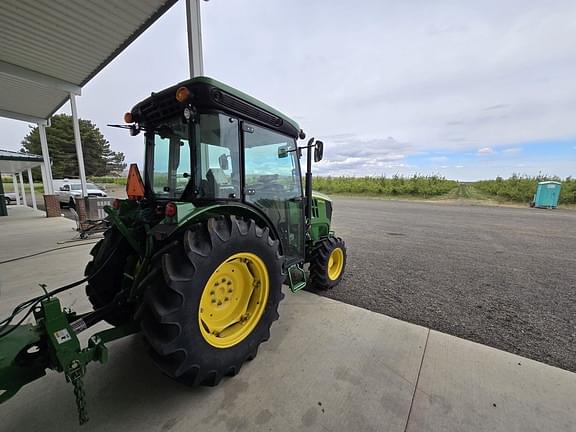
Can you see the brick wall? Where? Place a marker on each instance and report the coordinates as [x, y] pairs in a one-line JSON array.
[[82, 212], [52, 206]]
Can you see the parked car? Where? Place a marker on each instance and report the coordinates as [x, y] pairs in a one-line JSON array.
[[68, 190], [10, 198]]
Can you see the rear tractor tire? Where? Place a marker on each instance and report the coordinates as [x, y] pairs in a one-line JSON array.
[[210, 299], [103, 287], [327, 263]]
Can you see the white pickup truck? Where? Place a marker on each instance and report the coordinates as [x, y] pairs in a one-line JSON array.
[[67, 191], [10, 197]]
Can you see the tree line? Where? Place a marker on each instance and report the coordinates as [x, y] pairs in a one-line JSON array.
[[99, 158]]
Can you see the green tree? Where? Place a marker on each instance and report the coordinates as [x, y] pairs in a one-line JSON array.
[[99, 159]]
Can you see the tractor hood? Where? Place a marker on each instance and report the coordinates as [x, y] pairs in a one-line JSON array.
[[321, 196]]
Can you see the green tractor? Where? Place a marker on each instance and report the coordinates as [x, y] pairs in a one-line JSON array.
[[195, 258]]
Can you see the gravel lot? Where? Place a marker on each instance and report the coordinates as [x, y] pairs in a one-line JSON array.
[[504, 277]]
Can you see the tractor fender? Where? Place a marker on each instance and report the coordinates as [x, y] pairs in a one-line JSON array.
[[237, 209]]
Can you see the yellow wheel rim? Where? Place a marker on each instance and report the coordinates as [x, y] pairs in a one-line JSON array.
[[233, 300], [335, 263]]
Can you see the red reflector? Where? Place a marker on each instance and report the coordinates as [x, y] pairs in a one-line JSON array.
[[116, 204], [170, 210]]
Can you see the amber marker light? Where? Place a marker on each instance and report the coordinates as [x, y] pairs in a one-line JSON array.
[[128, 118], [182, 94]]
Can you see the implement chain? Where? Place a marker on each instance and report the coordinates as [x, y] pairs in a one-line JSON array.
[[80, 394]]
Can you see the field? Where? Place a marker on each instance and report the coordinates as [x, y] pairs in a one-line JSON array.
[[416, 186], [501, 276], [516, 189], [522, 188]]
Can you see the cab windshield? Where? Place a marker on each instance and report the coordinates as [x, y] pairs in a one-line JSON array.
[[218, 156], [213, 163], [208, 168], [168, 159]]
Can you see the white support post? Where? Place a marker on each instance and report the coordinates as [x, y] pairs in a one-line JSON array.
[[47, 168], [44, 182], [16, 191], [32, 193], [79, 152], [25, 204], [193, 25]]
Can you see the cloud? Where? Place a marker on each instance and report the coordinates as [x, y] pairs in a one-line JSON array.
[[512, 150], [349, 154], [485, 151], [495, 107]]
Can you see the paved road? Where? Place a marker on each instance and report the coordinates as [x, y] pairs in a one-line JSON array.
[[504, 277]]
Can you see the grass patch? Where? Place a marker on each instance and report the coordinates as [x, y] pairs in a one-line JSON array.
[[109, 180], [9, 187], [396, 186]]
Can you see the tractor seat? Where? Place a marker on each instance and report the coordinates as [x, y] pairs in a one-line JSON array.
[[218, 184]]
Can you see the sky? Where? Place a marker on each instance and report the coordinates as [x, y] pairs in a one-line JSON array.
[[467, 90]]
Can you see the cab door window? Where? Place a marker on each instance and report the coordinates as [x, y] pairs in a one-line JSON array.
[[218, 156], [272, 183], [168, 169]]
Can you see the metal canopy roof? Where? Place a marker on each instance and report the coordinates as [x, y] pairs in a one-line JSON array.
[[50, 49], [14, 162]]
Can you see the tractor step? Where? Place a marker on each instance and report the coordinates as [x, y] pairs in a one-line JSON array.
[[300, 273]]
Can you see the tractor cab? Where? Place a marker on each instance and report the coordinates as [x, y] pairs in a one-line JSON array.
[[207, 144]]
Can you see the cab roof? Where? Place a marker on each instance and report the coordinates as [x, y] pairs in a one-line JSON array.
[[208, 93]]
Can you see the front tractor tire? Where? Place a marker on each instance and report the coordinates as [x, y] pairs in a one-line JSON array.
[[327, 263], [211, 298]]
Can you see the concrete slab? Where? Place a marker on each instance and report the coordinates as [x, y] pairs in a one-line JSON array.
[[318, 371], [465, 386], [26, 230], [327, 365]]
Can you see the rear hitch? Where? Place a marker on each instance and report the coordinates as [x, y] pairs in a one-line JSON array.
[[26, 351]]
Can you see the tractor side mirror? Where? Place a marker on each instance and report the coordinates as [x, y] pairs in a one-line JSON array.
[[282, 152], [223, 162], [318, 151]]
